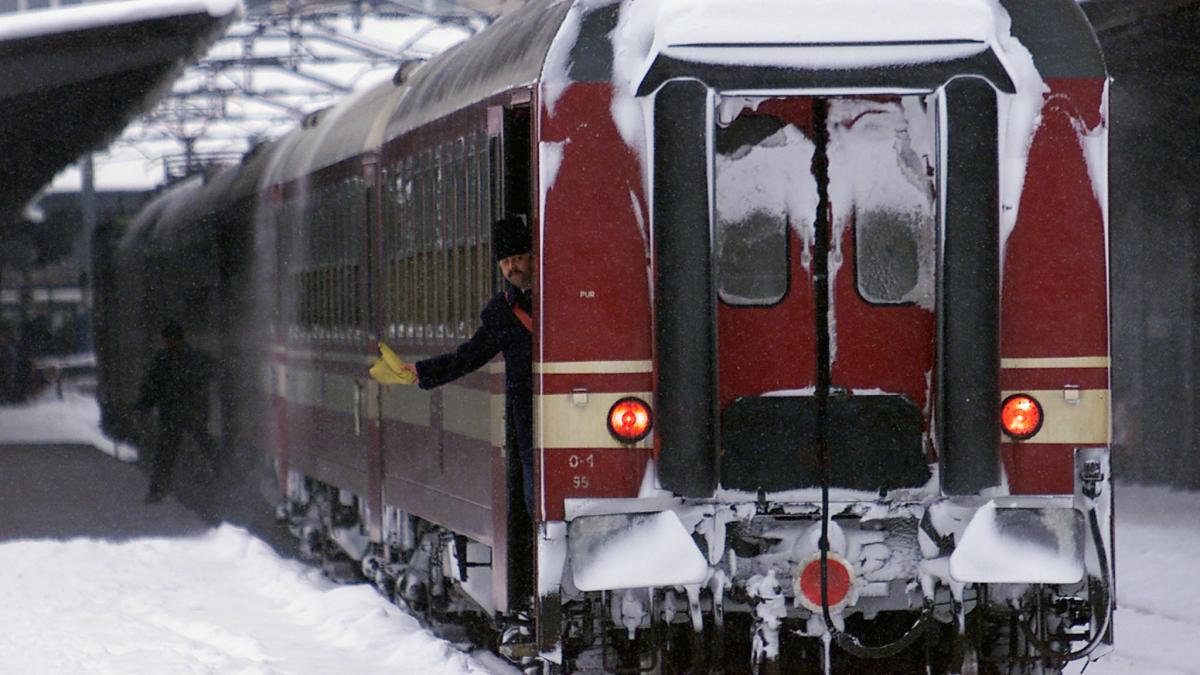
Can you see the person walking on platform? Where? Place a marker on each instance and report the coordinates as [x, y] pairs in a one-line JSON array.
[[177, 383], [9, 365]]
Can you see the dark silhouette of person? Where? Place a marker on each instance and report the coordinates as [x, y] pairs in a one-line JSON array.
[[9, 365], [177, 383]]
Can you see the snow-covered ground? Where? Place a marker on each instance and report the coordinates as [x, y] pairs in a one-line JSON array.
[[105, 584], [94, 581]]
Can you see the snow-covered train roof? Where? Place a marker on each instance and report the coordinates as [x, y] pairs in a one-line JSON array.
[[329, 136], [509, 53], [802, 43], [820, 43]]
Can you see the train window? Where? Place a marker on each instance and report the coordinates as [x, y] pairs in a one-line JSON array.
[[450, 188], [298, 316], [336, 298], [482, 223], [355, 287], [309, 298], [346, 304], [754, 203], [461, 278], [417, 290], [474, 300], [893, 194], [323, 308], [401, 223], [430, 260], [411, 220], [440, 241], [322, 294], [470, 229], [483, 227], [496, 205], [334, 320], [327, 298]]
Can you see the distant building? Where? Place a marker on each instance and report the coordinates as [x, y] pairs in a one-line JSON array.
[[45, 293]]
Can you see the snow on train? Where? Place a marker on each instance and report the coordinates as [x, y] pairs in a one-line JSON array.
[[852, 255]]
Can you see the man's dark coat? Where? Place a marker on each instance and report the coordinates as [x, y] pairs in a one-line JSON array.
[[500, 332]]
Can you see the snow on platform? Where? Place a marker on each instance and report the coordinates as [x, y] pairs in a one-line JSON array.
[[95, 581]]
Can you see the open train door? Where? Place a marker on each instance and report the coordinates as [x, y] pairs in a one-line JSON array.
[[511, 151]]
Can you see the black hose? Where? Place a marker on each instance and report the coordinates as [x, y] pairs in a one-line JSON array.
[[822, 235], [1048, 650]]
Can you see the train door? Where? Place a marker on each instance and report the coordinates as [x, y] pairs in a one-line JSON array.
[[510, 130], [824, 250]]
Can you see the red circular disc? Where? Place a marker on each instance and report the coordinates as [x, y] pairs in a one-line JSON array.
[[838, 577]]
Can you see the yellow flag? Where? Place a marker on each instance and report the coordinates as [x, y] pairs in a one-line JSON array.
[[389, 368], [390, 358]]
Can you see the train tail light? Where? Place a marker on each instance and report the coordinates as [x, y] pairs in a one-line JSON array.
[[839, 578], [630, 419], [1021, 416]]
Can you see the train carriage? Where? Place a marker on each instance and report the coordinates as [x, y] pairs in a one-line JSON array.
[[820, 333]]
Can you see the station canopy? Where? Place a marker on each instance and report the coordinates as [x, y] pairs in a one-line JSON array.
[[281, 61]]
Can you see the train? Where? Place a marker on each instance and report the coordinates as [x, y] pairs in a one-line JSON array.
[[821, 372]]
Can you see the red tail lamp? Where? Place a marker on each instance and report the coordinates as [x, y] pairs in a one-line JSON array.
[[1021, 416], [630, 419], [839, 578]]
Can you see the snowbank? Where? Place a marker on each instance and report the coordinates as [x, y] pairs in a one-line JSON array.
[[220, 602], [73, 419]]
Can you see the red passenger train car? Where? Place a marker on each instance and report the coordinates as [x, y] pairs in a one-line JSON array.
[[851, 258]]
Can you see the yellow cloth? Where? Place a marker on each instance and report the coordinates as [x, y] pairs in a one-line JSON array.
[[389, 368]]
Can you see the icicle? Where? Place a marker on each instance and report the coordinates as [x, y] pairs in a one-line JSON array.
[[693, 592], [770, 611], [632, 613]]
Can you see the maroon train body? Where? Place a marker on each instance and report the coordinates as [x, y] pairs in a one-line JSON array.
[[824, 249]]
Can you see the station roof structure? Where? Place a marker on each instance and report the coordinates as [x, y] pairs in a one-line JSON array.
[[281, 61], [287, 58]]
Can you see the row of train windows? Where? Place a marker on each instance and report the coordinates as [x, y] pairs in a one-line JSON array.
[[438, 210], [438, 267], [329, 298]]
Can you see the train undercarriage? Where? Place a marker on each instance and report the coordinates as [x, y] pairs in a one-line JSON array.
[[893, 604]]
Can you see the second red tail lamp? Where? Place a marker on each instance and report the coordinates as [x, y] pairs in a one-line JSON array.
[[630, 419], [1021, 416]]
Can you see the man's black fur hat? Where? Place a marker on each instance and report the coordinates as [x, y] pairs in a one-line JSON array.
[[510, 236]]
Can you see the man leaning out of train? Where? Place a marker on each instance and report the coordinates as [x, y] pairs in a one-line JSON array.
[[506, 327]]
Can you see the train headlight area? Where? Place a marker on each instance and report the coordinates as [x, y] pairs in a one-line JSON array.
[[630, 420], [1021, 416]]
